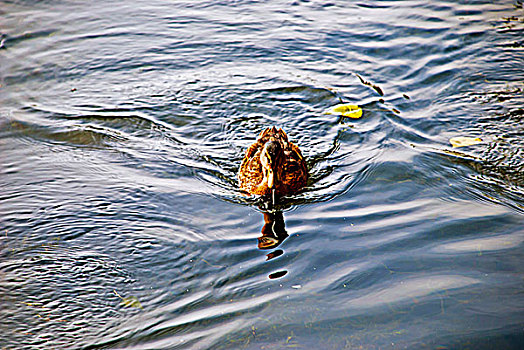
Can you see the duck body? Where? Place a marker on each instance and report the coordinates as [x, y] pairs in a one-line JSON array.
[[272, 163]]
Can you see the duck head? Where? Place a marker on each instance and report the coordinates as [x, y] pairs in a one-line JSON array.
[[271, 159]]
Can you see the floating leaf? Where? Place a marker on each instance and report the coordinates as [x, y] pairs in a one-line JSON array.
[[350, 111], [131, 302], [462, 141]]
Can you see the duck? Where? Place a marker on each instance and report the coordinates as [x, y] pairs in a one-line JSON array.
[[272, 166]]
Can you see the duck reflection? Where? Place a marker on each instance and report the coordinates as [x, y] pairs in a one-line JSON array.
[[273, 234]]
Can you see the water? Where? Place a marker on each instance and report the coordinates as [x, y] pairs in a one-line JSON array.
[[123, 125]]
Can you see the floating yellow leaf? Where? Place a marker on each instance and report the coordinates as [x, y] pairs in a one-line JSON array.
[[462, 141], [350, 111], [129, 301]]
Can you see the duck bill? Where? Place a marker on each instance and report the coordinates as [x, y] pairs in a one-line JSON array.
[[270, 179]]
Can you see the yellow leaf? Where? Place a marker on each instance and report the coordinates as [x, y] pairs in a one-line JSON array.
[[350, 111], [131, 302], [462, 141]]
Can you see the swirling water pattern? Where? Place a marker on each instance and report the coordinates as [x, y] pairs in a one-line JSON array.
[[122, 126]]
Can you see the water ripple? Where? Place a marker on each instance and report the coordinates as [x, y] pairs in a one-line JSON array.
[[122, 127]]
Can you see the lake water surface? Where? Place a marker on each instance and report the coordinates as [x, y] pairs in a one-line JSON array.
[[123, 124]]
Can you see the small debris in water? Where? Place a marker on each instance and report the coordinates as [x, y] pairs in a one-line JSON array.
[[375, 87]]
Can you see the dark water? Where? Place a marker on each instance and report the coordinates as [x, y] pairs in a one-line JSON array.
[[122, 125]]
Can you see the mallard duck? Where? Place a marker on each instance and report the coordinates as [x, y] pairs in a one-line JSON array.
[[272, 165]]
